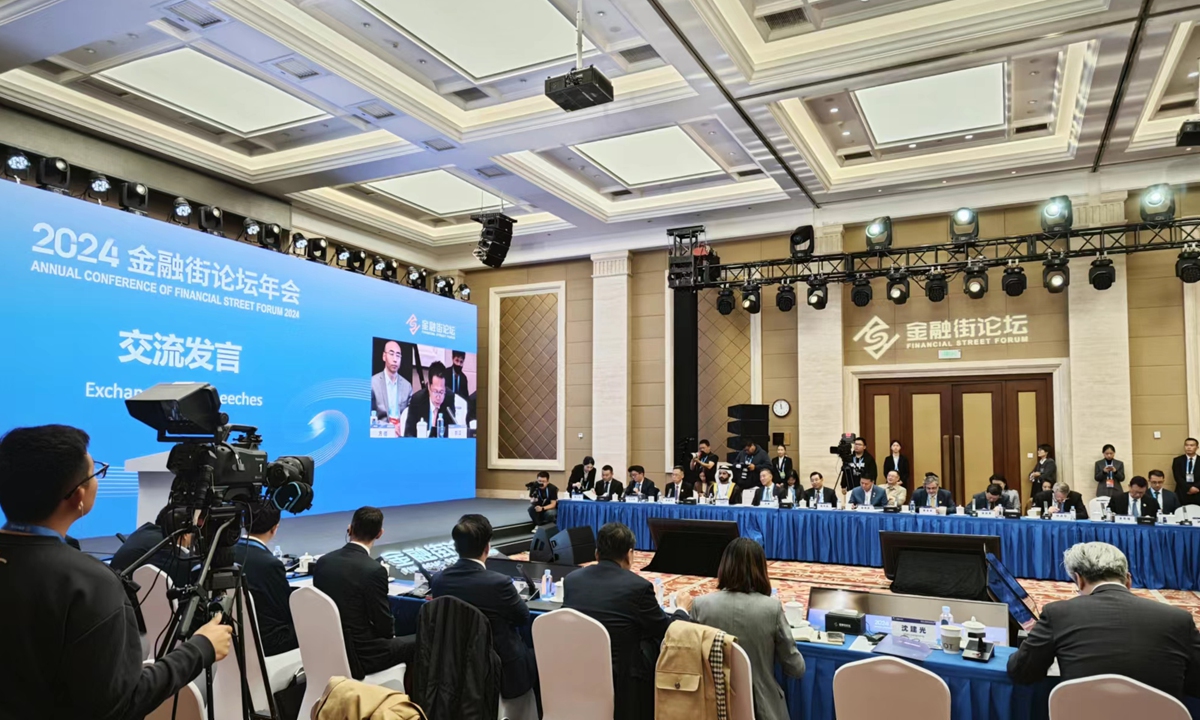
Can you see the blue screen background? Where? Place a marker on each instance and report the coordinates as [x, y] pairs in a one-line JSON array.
[[308, 360]]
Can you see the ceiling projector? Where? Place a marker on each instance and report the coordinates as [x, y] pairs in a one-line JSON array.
[[582, 88]]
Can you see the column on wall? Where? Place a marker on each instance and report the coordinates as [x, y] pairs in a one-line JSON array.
[[610, 358], [819, 358], [1098, 326]]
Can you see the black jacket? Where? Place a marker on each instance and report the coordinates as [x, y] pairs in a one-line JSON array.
[[266, 578], [1113, 631], [1074, 503], [869, 470], [457, 671], [625, 605], [744, 476], [781, 492], [920, 498], [612, 488], [758, 494], [1169, 502], [679, 491], [901, 467], [585, 481], [456, 384], [418, 409], [648, 488], [1179, 471], [1119, 505], [494, 595], [1048, 469], [71, 642], [176, 563], [781, 473], [826, 495], [358, 586]]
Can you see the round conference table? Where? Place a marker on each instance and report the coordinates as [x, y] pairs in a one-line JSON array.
[[1160, 556]]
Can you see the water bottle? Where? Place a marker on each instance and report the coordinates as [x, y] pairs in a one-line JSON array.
[[441, 426], [945, 619], [278, 553], [547, 583], [912, 507], [658, 590]]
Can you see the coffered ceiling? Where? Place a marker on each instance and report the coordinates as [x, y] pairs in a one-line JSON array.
[[401, 119]]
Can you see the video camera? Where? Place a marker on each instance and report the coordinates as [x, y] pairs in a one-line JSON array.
[[845, 447]]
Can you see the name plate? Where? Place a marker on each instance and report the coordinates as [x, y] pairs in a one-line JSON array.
[[1126, 520], [927, 511], [986, 514], [632, 499], [667, 501], [920, 630], [824, 506], [868, 508], [1063, 516]]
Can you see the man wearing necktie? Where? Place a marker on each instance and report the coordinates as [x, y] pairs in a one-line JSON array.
[[1138, 502], [457, 382], [1187, 474], [1167, 500], [429, 404]]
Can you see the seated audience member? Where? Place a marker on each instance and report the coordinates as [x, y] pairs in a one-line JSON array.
[[639, 484], [358, 585], [790, 490], [1167, 500], [990, 499], [625, 604], [583, 476], [1137, 502], [866, 494], [493, 594], [725, 488], [765, 492], [174, 558], [743, 607], [1067, 500], [67, 626], [677, 489], [1012, 500], [543, 500], [1108, 629], [931, 495], [703, 487], [608, 486], [1043, 495], [818, 494], [431, 403], [266, 579], [896, 493], [1110, 473]]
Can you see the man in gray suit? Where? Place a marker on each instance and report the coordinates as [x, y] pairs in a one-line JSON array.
[[1108, 629], [390, 392], [867, 494]]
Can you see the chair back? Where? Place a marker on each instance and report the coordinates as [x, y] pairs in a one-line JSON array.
[[189, 707], [742, 684], [156, 606], [322, 646], [747, 497], [227, 683], [1190, 512], [1112, 697], [861, 688], [563, 641]]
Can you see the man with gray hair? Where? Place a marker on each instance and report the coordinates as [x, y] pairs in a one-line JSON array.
[[1067, 500], [1109, 630]]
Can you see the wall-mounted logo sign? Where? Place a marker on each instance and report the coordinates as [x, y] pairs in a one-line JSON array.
[[967, 331], [876, 337]]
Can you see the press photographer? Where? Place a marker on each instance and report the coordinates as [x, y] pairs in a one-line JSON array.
[[70, 633]]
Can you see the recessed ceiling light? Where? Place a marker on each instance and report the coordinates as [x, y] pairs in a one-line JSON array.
[[1033, 72], [968, 137], [600, 13], [943, 182], [712, 132], [911, 146], [1014, 172], [1194, 73], [131, 36], [90, 51], [879, 190], [523, 81], [1033, 102], [366, 25], [833, 110], [732, 154], [845, 132]]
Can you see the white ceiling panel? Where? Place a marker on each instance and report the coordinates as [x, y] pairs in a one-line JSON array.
[[960, 101], [439, 192], [212, 91], [650, 157], [485, 37]]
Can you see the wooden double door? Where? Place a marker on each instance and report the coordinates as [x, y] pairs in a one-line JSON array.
[[963, 429]]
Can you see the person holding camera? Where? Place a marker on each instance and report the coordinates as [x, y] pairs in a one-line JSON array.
[[543, 500], [69, 622]]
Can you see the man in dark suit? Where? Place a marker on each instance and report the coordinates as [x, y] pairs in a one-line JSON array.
[[1167, 500], [931, 495], [430, 403], [625, 604], [543, 500], [1187, 474], [608, 486], [782, 464], [1137, 502], [456, 379], [358, 586], [639, 484], [818, 494], [766, 490], [493, 594], [1110, 630], [174, 558], [266, 578], [583, 476], [991, 499], [679, 488]]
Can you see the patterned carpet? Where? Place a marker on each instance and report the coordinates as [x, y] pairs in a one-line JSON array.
[[794, 579]]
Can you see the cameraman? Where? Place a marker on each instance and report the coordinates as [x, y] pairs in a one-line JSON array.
[[70, 632]]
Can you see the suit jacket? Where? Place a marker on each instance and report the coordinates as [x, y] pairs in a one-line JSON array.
[[625, 605], [266, 578], [890, 464], [1169, 501], [647, 489], [781, 466], [173, 561], [456, 383], [358, 586], [379, 398], [1074, 503], [920, 498], [878, 496], [781, 492], [1120, 505], [1113, 631], [679, 491], [979, 501], [1179, 471], [824, 495], [761, 629], [1118, 473], [418, 409], [585, 481], [1048, 469], [494, 595], [612, 487], [758, 494]]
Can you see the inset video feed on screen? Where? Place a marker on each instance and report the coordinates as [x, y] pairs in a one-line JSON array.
[[421, 391]]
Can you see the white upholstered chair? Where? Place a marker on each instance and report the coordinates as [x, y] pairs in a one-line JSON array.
[[156, 607], [563, 641], [1112, 697], [861, 689], [190, 706], [227, 690], [742, 683]]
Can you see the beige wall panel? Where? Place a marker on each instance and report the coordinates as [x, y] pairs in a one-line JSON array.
[[651, 326], [1155, 322], [927, 436], [977, 443], [644, 305], [648, 394], [1156, 352], [650, 349], [1170, 409], [1028, 442], [579, 309], [1157, 380], [881, 434]]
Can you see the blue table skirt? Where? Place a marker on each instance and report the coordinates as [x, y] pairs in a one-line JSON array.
[[1166, 556]]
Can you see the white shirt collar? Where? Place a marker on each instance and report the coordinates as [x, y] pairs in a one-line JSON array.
[[258, 542]]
